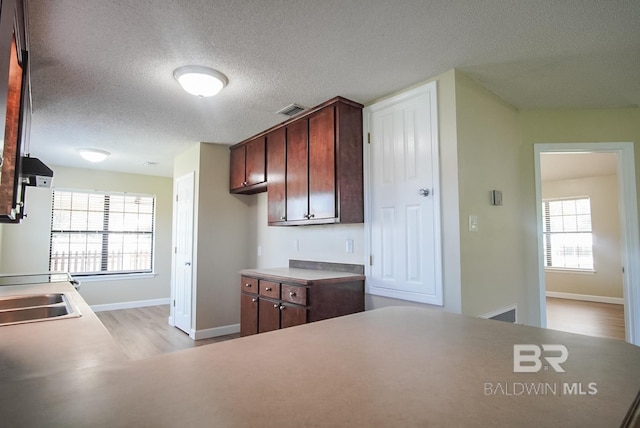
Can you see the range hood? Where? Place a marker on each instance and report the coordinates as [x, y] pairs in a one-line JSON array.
[[35, 173]]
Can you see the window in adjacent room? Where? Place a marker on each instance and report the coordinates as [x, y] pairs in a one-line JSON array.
[[99, 233], [567, 233]]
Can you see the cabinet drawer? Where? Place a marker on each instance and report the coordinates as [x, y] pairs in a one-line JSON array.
[[249, 285], [294, 294], [269, 289]]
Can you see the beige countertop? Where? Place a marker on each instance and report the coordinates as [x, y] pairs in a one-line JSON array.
[[388, 367], [302, 276], [42, 348]]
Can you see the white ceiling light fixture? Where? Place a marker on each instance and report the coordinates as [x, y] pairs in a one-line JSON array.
[[200, 81], [93, 155]]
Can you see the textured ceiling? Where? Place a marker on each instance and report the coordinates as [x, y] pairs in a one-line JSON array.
[[567, 165], [102, 69]]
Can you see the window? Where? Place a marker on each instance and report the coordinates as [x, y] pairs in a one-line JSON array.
[[95, 233], [567, 234]]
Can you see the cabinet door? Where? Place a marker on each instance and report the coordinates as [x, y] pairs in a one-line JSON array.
[[276, 175], [237, 173], [269, 316], [248, 314], [322, 164], [255, 168], [297, 171], [292, 315]]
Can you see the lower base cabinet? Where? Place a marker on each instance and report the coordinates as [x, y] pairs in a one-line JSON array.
[[266, 305]]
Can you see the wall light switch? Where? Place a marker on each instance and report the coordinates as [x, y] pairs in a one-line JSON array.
[[349, 246], [473, 223]]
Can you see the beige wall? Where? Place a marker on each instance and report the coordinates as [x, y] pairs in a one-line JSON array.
[[223, 236], [488, 151], [565, 126], [25, 246], [605, 220]]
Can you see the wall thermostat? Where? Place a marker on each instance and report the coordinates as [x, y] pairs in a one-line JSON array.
[[496, 197]]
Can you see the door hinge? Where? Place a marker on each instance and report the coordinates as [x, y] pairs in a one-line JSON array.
[[174, 303], [622, 269], [371, 260], [175, 250], [369, 137], [176, 198]]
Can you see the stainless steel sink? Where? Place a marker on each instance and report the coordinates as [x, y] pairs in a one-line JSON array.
[[16, 302], [36, 307]]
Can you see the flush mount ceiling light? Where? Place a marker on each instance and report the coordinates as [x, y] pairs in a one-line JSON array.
[[200, 81], [93, 155]]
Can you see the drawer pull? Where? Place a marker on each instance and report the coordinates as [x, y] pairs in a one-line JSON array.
[[247, 285], [254, 300], [292, 294], [268, 289], [276, 306], [282, 307]]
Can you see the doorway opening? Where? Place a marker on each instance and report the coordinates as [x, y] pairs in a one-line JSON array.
[[588, 238]]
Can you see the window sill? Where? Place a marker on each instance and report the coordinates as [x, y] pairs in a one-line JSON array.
[[568, 270], [116, 277]]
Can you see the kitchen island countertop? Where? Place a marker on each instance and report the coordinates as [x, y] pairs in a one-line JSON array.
[[396, 366]]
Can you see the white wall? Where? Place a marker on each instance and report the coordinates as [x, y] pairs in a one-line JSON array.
[[325, 243], [605, 220], [25, 246]]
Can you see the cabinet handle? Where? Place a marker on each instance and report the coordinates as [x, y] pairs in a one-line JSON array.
[[276, 305], [268, 289], [311, 216], [244, 183], [282, 307], [283, 218], [247, 285], [292, 294], [254, 300]]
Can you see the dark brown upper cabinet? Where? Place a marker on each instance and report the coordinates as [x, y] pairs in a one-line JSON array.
[[324, 179], [248, 172], [276, 175], [314, 166]]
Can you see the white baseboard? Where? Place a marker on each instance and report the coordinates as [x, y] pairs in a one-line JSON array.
[[214, 332], [586, 297], [501, 311], [130, 305]]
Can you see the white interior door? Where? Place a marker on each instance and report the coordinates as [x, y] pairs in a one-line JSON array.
[[183, 260], [403, 197]]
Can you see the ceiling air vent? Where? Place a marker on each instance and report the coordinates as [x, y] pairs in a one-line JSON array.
[[291, 110]]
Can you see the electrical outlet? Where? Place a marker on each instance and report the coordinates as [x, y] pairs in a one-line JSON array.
[[349, 245]]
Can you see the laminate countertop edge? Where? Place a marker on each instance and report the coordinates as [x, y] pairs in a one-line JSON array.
[[302, 276]]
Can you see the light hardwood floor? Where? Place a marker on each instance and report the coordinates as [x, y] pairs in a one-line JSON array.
[[589, 318], [144, 332]]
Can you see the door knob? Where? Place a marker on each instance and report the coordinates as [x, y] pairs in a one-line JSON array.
[[424, 192]]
